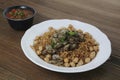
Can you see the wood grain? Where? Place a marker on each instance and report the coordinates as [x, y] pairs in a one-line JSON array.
[[104, 14]]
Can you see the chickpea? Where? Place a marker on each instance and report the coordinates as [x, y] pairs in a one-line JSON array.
[[63, 54], [80, 63], [37, 37], [72, 64], [66, 60], [90, 36], [97, 43], [80, 31], [32, 47], [48, 56], [87, 60], [70, 27], [91, 48], [93, 40], [35, 42], [40, 48], [50, 28], [86, 33], [46, 59], [95, 48], [38, 52], [59, 63], [52, 62], [75, 60], [66, 64], [92, 55]]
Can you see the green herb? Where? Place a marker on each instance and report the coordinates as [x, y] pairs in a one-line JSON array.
[[52, 44], [21, 13], [62, 39], [72, 33]]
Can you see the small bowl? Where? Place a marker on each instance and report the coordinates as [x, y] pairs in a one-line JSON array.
[[20, 24]]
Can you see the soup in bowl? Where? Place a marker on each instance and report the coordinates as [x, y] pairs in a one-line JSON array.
[[19, 17]]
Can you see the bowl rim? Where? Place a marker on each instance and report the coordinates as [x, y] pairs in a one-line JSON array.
[[12, 7], [71, 69]]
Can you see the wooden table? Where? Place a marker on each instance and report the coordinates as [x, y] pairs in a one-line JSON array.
[[104, 14]]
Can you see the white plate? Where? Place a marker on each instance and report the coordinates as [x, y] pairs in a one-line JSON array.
[[38, 29]]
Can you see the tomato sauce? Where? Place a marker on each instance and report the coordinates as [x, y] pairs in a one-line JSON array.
[[19, 14]]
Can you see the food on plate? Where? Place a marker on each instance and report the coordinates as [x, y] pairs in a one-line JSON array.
[[19, 14], [67, 47]]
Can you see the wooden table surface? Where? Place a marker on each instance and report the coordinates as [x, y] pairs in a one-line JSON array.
[[104, 14]]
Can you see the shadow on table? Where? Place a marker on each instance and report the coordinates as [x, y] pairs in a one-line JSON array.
[[40, 18], [96, 74]]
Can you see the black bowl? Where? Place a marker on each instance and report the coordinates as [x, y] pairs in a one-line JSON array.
[[20, 24]]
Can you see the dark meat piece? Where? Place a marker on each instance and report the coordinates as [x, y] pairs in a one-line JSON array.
[[73, 46]]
